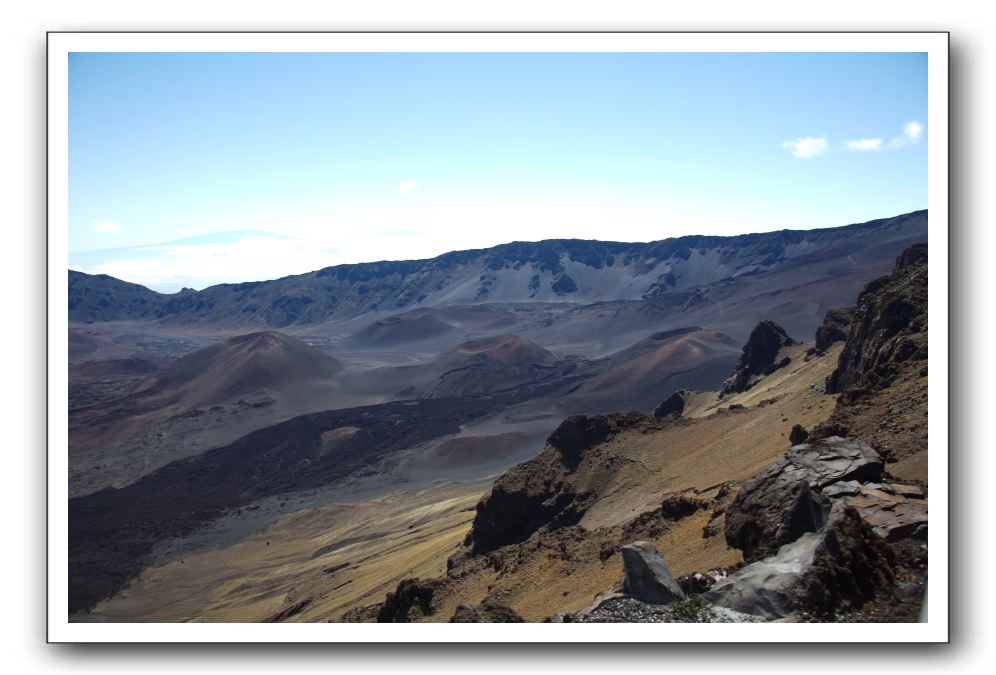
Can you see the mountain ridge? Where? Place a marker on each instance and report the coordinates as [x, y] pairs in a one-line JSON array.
[[556, 270]]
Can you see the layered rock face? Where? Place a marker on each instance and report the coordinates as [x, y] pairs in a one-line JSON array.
[[758, 356], [881, 374], [889, 327]]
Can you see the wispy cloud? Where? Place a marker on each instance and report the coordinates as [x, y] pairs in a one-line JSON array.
[[807, 147], [864, 144], [105, 226], [407, 186], [169, 267], [912, 133]]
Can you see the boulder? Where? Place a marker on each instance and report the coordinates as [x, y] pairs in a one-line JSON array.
[[485, 613], [850, 566], [646, 576], [672, 405], [798, 435], [764, 588], [758, 356], [820, 573], [783, 501]]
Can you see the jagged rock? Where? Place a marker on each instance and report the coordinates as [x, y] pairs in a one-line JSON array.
[[672, 405], [538, 493], [485, 613], [782, 502], [836, 569], [835, 327], [411, 600], [893, 511], [646, 576], [764, 588], [758, 356], [889, 327], [580, 432], [798, 435], [850, 566]]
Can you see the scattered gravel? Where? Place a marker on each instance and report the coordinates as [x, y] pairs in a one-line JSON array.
[[630, 610]]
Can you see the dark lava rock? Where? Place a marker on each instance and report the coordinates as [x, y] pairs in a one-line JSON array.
[[646, 576], [677, 506], [798, 435], [485, 613], [581, 432], [538, 493], [535, 493], [850, 566], [672, 405], [782, 502], [889, 328], [410, 601], [914, 255], [835, 327], [758, 356], [818, 574]]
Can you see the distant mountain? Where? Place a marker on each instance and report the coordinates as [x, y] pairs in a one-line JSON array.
[[559, 270]]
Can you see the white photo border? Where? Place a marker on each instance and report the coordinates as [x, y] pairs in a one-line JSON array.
[[61, 44]]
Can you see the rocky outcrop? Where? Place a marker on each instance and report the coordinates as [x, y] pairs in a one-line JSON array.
[[677, 506], [411, 601], [485, 613], [851, 565], [672, 405], [893, 511], [759, 356], [537, 493], [835, 327], [581, 432], [819, 574], [889, 328], [783, 501], [646, 576]]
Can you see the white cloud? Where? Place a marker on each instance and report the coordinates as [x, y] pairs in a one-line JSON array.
[[807, 147], [864, 144], [912, 133], [105, 226], [407, 186]]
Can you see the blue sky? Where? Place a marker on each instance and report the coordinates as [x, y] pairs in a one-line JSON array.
[[308, 160]]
